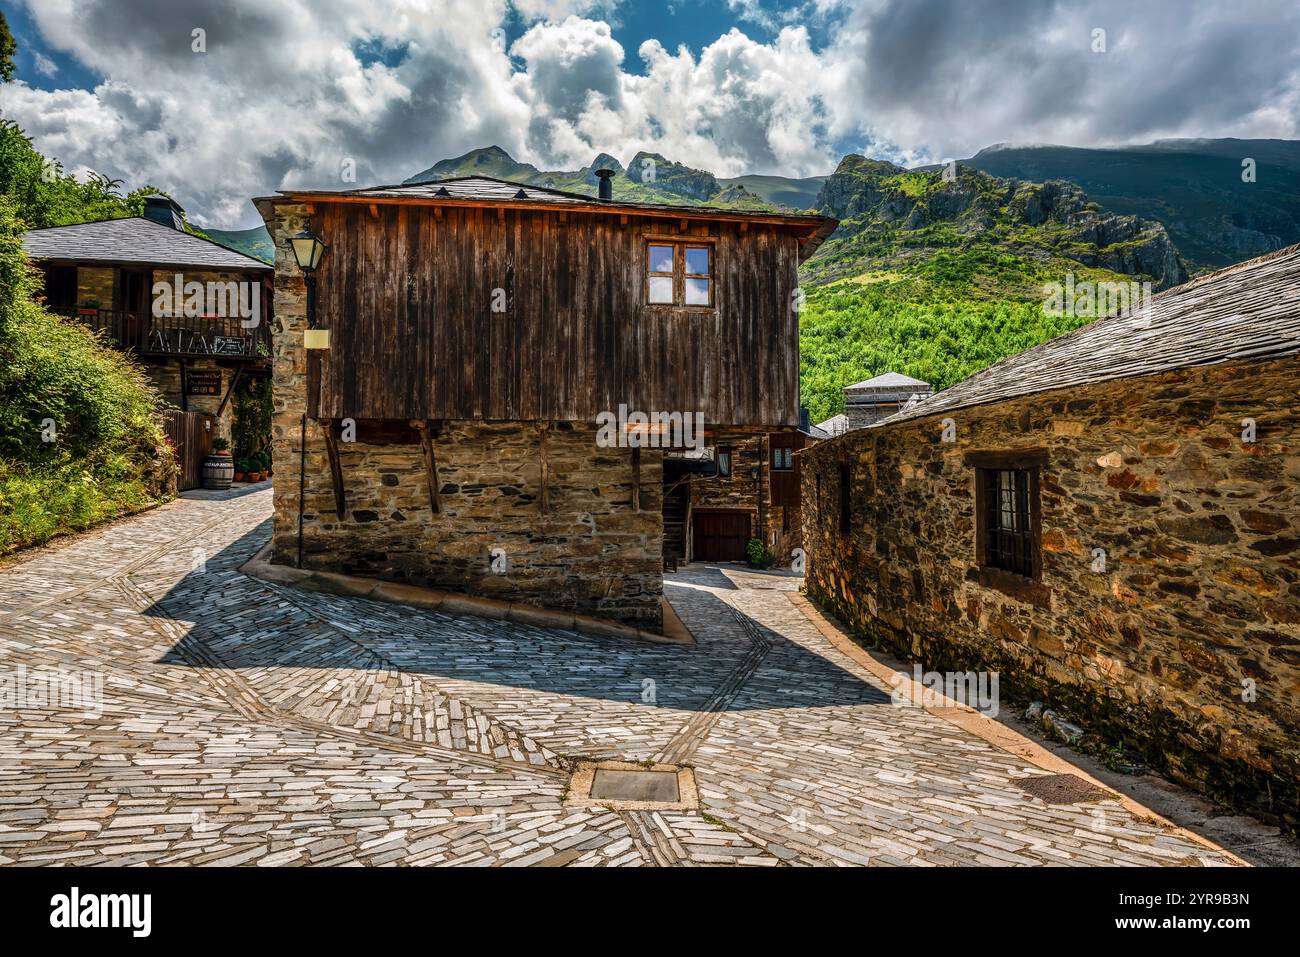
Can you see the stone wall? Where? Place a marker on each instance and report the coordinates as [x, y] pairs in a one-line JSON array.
[[166, 378], [738, 491], [1185, 648], [591, 551], [95, 285]]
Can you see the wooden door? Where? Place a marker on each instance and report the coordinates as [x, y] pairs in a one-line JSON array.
[[191, 436], [720, 536]]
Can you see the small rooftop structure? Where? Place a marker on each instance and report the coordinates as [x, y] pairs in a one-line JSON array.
[[1247, 311], [835, 425], [871, 400]]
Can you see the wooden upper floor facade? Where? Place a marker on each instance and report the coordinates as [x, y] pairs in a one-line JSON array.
[[478, 299], [104, 274]]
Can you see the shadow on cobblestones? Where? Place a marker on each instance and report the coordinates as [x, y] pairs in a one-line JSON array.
[[251, 625]]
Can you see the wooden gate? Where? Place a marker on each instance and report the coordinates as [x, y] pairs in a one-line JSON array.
[[191, 436], [720, 536]]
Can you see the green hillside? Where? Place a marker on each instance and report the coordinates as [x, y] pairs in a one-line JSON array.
[[796, 194], [1193, 187], [255, 242], [938, 279]]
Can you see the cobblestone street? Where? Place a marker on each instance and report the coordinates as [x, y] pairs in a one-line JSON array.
[[245, 722]]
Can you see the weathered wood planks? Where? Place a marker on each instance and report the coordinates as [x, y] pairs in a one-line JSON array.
[[409, 298]]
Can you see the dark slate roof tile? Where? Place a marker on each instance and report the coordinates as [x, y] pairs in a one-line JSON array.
[[135, 240]]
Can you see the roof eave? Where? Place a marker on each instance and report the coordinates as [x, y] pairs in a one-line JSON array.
[[825, 226]]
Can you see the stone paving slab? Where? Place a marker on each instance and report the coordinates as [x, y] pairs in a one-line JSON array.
[[243, 722]]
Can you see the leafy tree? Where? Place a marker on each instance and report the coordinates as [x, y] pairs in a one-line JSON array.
[[7, 50]]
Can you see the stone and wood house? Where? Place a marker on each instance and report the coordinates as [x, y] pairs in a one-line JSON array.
[[747, 487], [1110, 521], [478, 330], [104, 274], [874, 399]]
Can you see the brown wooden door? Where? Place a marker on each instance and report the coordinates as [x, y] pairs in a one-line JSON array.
[[720, 536], [133, 308], [191, 436]]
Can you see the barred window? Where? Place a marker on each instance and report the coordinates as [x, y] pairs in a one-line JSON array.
[[1008, 504]]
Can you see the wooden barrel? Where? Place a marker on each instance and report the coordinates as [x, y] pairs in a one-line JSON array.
[[218, 471]]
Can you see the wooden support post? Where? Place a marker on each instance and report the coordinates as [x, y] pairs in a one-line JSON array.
[[336, 468], [234, 381], [185, 387], [427, 434], [636, 478], [545, 499]]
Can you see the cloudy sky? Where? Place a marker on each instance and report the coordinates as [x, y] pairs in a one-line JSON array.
[[285, 93]]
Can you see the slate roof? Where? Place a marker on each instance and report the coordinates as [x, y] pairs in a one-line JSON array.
[[1250, 311], [888, 380], [835, 425], [489, 189], [132, 241], [479, 187], [816, 432]]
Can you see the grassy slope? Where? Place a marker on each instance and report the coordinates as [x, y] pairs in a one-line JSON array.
[[935, 302], [255, 242]]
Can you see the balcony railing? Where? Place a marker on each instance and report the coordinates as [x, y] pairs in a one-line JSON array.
[[177, 335]]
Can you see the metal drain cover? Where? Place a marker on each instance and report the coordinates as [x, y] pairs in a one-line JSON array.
[[632, 786], [657, 786], [1062, 789]]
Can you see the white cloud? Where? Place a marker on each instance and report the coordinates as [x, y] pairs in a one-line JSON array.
[[44, 65], [285, 94]]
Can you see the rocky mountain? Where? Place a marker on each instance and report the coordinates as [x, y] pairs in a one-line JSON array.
[[892, 217], [1214, 213], [938, 276], [647, 178]]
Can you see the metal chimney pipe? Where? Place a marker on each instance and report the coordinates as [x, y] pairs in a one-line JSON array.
[[606, 177]]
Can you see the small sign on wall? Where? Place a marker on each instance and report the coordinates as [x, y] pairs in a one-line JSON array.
[[203, 382]]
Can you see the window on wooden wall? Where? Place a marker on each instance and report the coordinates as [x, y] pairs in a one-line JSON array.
[[782, 459], [679, 273], [1008, 531], [846, 497]]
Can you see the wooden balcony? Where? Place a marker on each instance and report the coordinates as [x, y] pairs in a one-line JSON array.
[[180, 336]]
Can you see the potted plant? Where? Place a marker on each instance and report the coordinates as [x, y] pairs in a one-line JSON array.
[[757, 554], [219, 467], [241, 470]]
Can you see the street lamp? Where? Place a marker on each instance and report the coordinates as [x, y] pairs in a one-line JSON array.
[[307, 250]]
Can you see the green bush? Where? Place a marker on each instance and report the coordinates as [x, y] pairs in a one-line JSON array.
[[758, 554], [252, 419], [79, 441]]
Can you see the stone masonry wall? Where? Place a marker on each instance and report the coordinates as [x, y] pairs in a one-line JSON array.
[[1185, 649], [95, 285], [591, 552]]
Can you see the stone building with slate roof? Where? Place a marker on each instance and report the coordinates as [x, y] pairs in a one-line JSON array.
[[1110, 521], [476, 331], [103, 275]]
